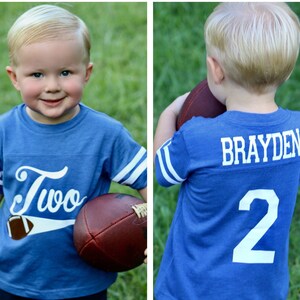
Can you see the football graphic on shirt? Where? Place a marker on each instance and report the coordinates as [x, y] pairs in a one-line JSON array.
[[200, 102], [18, 227]]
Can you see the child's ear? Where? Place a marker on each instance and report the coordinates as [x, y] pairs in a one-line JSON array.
[[215, 70], [13, 77], [88, 72]]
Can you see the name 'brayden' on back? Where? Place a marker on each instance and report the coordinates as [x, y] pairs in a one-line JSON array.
[[260, 148]]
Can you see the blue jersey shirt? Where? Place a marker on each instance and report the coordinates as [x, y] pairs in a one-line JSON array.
[[229, 237], [48, 172]]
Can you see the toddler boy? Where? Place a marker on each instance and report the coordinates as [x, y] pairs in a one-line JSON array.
[[239, 172], [56, 154]]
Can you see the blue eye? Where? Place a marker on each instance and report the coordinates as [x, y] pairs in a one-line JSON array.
[[37, 75], [65, 73]]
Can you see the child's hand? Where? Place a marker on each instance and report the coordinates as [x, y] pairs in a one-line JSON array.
[[176, 105]]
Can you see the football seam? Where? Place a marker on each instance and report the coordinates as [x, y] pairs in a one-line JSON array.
[[113, 224], [87, 228], [105, 252], [110, 225]]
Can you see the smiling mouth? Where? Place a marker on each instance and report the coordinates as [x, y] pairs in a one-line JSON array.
[[53, 100]]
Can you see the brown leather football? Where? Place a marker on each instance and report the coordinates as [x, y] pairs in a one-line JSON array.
[[200, 102], [110, 232]]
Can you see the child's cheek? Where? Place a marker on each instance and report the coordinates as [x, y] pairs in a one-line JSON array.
[[74, 88], [31, 91]]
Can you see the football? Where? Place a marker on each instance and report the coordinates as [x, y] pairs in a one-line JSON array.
[[200, 102], [110, 232], [18, 227]]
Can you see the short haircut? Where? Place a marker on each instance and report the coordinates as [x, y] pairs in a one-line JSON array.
[[257, 44], [46, 22]]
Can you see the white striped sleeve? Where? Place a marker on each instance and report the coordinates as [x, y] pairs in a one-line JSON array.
[[133, 170], [165, 170], [136, 174]]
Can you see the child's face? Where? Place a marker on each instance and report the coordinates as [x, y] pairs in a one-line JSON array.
[[50, 77]]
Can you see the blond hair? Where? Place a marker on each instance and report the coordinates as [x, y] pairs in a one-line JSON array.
[[257, 44], [46, 22]]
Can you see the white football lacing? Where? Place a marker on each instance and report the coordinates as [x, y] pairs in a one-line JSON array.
[[140, 210]]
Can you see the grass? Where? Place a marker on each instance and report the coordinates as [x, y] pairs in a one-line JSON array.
[[179, 64], [117, 86]]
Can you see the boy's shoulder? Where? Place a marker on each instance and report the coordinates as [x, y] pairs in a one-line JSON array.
[[208, 131], [98, 118], [201, 124], [10, 115], [198, 126]]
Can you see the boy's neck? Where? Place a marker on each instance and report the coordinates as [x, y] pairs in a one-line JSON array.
[[242, 100]]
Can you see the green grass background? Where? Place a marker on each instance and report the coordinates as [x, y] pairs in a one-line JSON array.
[[117, 86], [179, 64]]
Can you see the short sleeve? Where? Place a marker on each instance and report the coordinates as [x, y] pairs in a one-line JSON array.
[[129, 162], [172, 161]]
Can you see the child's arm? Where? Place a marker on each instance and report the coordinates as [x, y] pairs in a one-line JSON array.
[[166, 126]]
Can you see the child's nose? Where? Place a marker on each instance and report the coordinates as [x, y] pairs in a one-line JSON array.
[[52, 85]]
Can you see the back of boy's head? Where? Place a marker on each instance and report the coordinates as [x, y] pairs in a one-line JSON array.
[[257, 44], [45, 23]]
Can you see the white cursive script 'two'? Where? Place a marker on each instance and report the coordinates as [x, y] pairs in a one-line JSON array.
[[47, 200]]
